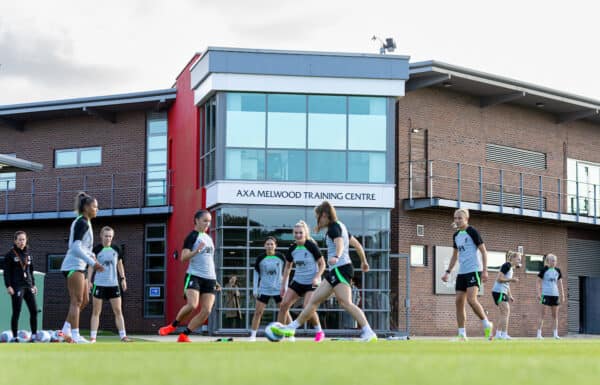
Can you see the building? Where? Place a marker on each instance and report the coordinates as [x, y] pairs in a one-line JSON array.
[[260, 137]]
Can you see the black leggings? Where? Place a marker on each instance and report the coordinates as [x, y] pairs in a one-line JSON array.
[[17, 301]]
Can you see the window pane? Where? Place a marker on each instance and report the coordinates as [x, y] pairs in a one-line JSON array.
[[275, 217], [327, 122], [534, 263], [156, 200], [366, 167], [327, 166], [157, 142], [155, 247], [154, 308], [7, 181], [157, 172], [367, 123], [286, 165], [157, 157], [55, 262], [155, 232], [495, 259], [287, 121], [233, 216], [245, 120], [234, 237], [155, 263], [155, 277], [245, 164], [157, 187], [158, 126], [90, 156], [417, 255], [66, 158]]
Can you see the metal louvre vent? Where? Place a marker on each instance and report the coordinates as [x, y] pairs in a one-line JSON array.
[[583, 261], [514, 200], [515, 156]]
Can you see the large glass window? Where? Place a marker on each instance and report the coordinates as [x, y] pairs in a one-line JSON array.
[[8, 180], [156, 159], [154, 270], [286, 165], [367, 124], [315, 138], [366, 167], [209, 145], [286, 121], [327, 122], [78, 157], [245, 164], [327, 166], [240, 238], [246, 120]]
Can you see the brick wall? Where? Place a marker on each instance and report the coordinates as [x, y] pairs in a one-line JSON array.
[[457, 130], [51, 237], [123, 152]]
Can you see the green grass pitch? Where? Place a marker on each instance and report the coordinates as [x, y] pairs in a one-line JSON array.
[[522, 362]]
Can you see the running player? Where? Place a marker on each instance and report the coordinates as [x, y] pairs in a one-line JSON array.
[[268, 271], [502, 294], [20, 283], [200, 280], [106, 283], [471, 273], [550, 278], [337, 279], [310, 265], [79, 255]]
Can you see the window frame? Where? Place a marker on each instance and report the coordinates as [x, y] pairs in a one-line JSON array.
[[10, 177], [52, 256], [78, 150]]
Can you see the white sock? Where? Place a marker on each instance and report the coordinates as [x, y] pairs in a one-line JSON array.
[[462, 332], [253, 333], [555, 332], [122, 333], [539, 332], [498, 334], [318, 328], [294, 324], [75, 334], [93, 333], [367, 329], [486, 323], [66, 329], [504, 334]]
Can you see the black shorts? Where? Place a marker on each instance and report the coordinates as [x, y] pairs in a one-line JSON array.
[[67, 274], [265, 298], [341, 274], [499, 297], [464, 281], [301, 288], [549, 300], [203, 285], [106, 292]]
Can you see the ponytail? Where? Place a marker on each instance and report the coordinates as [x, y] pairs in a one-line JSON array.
[[82, 200]]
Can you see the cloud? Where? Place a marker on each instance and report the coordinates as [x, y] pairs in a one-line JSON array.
[[48, 61]]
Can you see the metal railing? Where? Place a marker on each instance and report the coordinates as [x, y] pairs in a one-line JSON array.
[[504, 188], [56, 194]]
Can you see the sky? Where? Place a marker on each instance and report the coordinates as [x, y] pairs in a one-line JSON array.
[[62, 49]]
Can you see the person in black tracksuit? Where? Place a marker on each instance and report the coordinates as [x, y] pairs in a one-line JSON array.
[[20, 282]]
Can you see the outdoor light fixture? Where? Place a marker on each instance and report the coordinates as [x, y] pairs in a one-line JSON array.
[[540, 105], [388, 46], [447, 84]]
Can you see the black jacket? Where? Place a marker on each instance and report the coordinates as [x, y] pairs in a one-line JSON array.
[[18, 269]]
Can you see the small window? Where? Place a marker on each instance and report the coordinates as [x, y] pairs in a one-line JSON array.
[[495, 260], [54, 262], [78, 157], [534, 263], [8, 180], [418, 255]]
